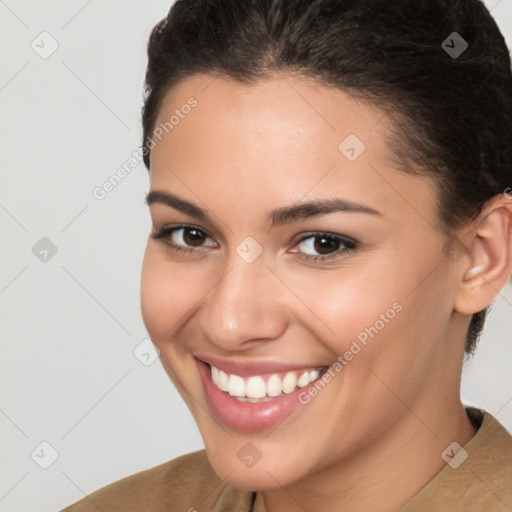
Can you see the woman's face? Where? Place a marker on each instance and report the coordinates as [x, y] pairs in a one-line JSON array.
[[364, 288]]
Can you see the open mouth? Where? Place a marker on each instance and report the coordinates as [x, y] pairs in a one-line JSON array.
[[263, 396], [266, 387]]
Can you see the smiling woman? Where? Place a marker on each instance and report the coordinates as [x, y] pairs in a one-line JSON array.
[[330, 224]]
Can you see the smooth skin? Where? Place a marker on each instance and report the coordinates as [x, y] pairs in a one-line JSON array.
[[373, 437]]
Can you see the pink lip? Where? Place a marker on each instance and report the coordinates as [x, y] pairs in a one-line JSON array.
[[249, 368], [246, 415]]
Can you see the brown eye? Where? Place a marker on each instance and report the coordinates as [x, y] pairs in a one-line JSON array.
[[182, 238], [324, 245], [193, 237]]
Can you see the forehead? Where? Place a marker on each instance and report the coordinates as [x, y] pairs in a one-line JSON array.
[[276, 141], [285, 107]]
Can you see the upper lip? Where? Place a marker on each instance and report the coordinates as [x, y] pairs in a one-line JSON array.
[[249, 368]]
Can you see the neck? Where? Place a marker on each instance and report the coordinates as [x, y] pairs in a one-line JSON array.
[[409, 453]]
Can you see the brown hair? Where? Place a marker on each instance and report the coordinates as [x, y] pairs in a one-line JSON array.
[[453, 113]]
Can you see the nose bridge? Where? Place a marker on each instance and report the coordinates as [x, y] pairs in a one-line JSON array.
[[244, 304]]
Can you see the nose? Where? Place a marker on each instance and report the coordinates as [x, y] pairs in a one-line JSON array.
[[245, 307]]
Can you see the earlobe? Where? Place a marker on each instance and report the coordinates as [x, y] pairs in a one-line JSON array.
[[489, 265]]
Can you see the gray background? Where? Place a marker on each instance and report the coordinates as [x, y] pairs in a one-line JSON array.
[[70, 321]]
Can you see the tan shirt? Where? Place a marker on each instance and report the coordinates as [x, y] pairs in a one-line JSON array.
[[482, 483]]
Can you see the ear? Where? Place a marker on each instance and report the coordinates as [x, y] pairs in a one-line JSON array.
[[488, 263]]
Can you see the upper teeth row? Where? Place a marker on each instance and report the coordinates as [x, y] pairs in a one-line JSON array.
[[256, 387]]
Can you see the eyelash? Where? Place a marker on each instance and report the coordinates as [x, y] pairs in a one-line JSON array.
[[164, 235]]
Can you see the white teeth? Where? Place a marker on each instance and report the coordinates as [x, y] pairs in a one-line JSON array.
[[274, 385], [236, 385], [313, 375], [255, 389], [289, 382], [215, 375], [303, 380], [223, 381]]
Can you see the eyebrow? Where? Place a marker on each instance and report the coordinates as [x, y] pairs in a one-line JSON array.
[[276, 217]]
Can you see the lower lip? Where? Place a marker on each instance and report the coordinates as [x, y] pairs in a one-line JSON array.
[[247, 415]]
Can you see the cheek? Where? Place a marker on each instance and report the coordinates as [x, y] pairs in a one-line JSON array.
[[167, 296], [374, 316], [340, 306], [390, 327]]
